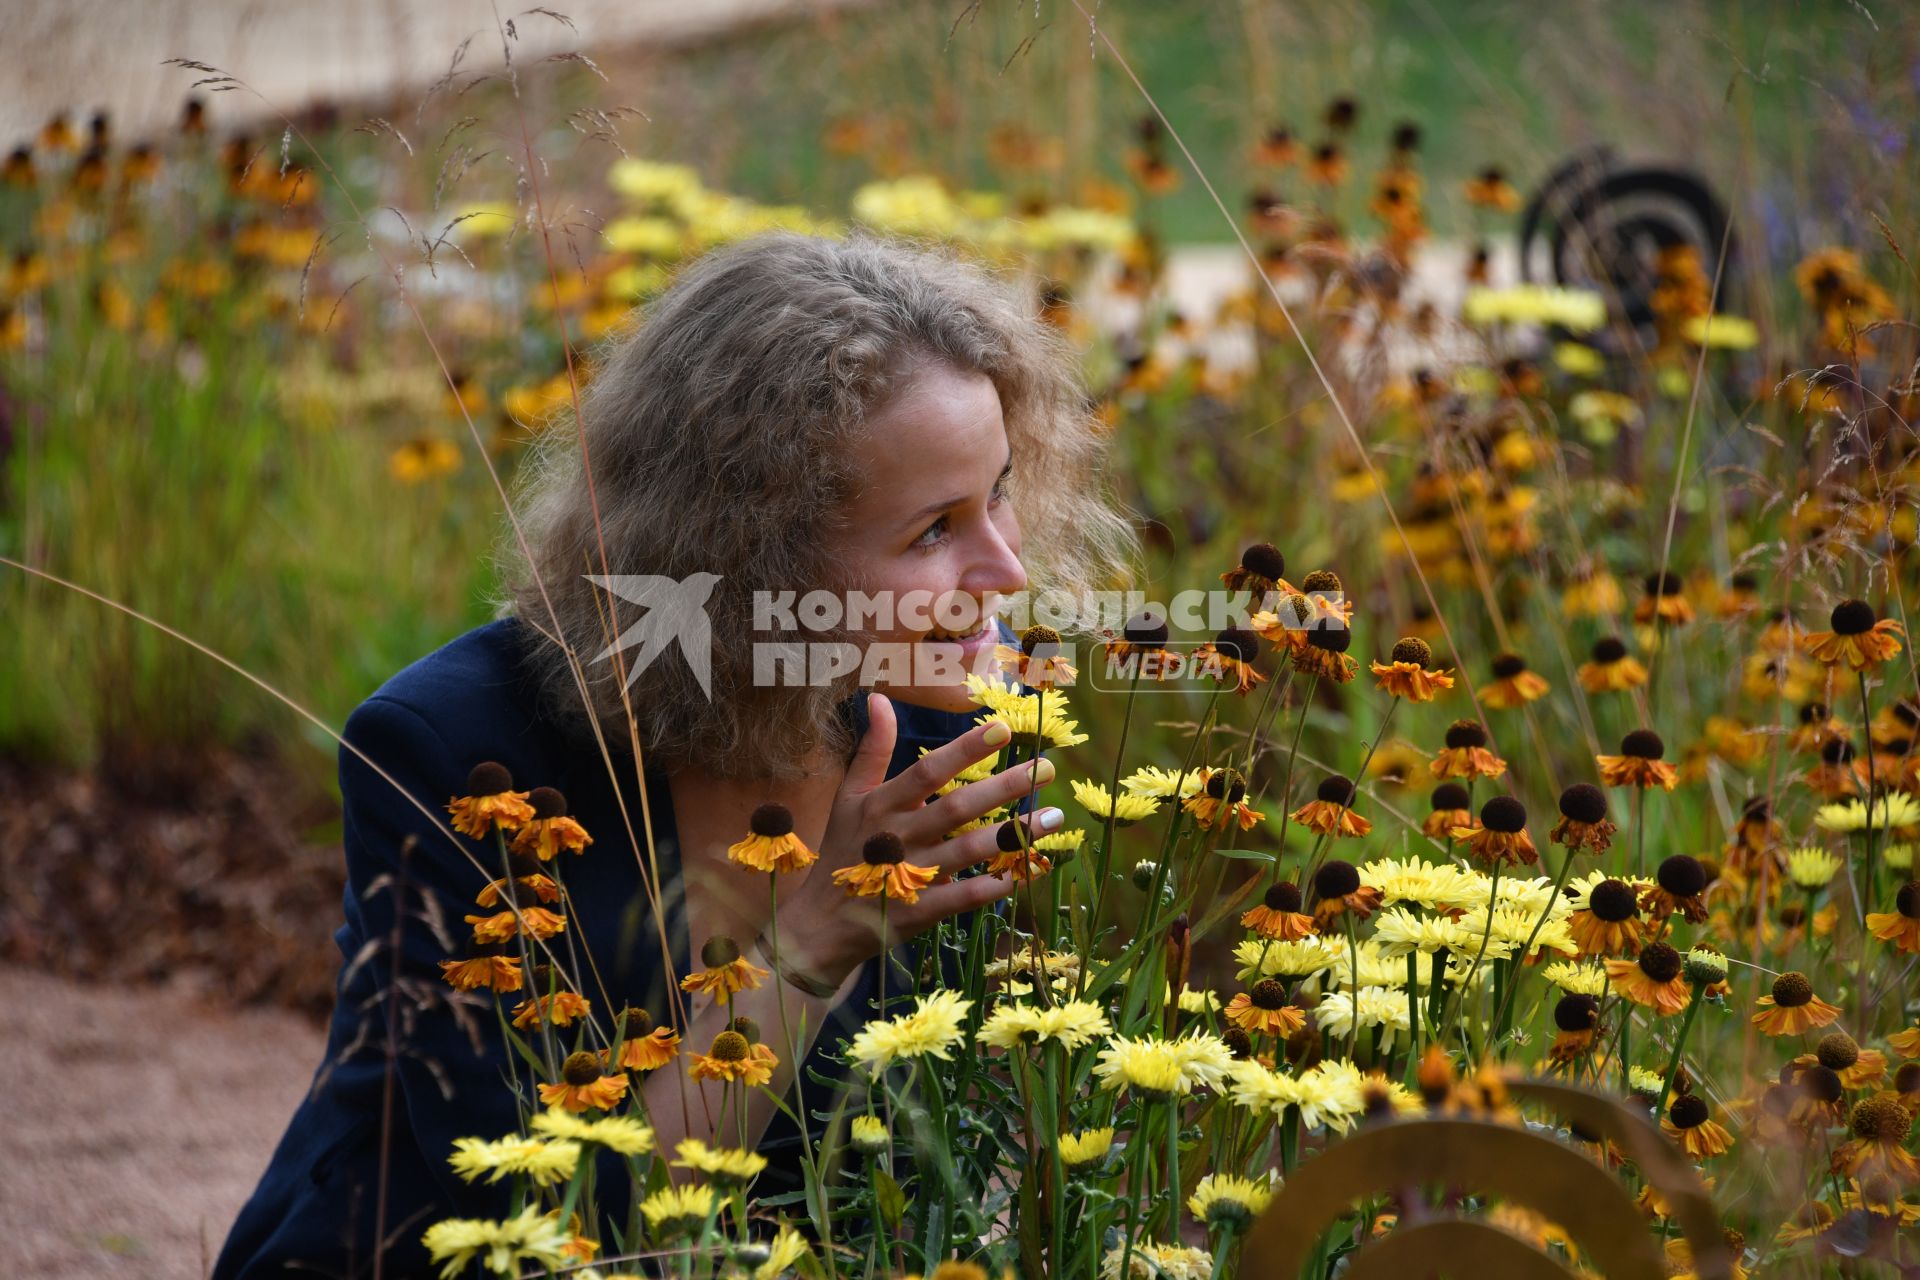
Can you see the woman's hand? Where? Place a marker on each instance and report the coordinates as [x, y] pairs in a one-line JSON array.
[[826, 933]]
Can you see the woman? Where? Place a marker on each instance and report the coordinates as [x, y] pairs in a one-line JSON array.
[[795, 414]]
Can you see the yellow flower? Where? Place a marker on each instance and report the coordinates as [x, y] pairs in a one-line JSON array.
[[502, 1246], [1153, 1261], [647, 180], [1161, 783], [622, 1135], [1164, 1067], [726, 1166], [1577, 979], [673, 1210], [1576, 310], [423, 459], [1074, 1023], [1086, 1146], [936, 1024], [1129, 807], [869, 1134], [770, 844], [1895, 809], [544, 1162], [1812, 867], [1223, 1201], [1736, 333], [786, 1249]]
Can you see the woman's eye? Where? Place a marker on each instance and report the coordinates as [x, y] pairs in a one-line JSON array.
[[1000, 487], [933, 534]]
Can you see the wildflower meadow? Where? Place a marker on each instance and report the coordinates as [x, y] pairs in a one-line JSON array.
[[1519, 879]]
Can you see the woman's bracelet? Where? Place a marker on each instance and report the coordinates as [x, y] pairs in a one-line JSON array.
[[818, 988]]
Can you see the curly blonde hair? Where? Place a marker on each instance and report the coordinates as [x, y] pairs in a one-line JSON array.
[[719, 433]]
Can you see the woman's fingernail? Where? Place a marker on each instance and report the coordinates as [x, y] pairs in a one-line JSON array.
[[1050, 819], [1043, 770], [998, 735]]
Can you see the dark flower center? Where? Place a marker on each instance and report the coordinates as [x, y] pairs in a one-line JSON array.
[[771, 820], [1584, 802], [1146, 628], [1503, 814], [1264, 559], [1682, 876], [1283, 896], [1227, 785], [1613, 901], [1838, 1051], [1465, 733], [1791, 990], [1852, 618], [1331, 639], [1237, 643], [730, 1046], [1006, 837], [1268, 994], [1823, 1084], [1661, 962], [1036, 638], [1576, 1013], [1663, 584], [547, 803], [489, 778], [1239, 1043], [1836, 751], [883, 848], [1907, 901], [1335, 789], [1813, 712], [1508, 665], [1689, 1112], [1336, 879], [1757, 809], [580, 1068], [1449, 795], [638, 1022], [1321, 580], [1644, 744], [719, 952], [1608, 650], [1413, 649], [1881, 1120]]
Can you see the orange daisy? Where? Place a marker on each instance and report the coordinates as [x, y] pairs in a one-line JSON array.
[[1576, 1017], [1261, 572], [1663, 600], [490, 802], [643, 1046], [733, 1057], [884, 872], [726, 973], [584, 1086], [1043, 660], [770, 844], [529, 880], [558, 1010], [493, 971], [1279, 916], [1857, 640], [1689, 1122], [1611, 669], [1639, 763], [1222, 801], [1792, 1008], [1325, 655], [1609, 923], [1337, 889], [1142, 646], [1450, 810], [1502, 835], [1652, 980], [1583, 820], [1513, 685], [1900, 926], [1018, 856], [550, 830], [1228, 657], [1264, 1011], [1677, 885], [1876, 1147], [1466, 754], [1406, 675], [1818, 726], [1330, 813], [541, 923]]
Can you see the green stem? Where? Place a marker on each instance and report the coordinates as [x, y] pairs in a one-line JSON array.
[[1679, 1047]]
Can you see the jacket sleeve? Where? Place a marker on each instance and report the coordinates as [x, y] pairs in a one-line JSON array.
[[453, 1068]]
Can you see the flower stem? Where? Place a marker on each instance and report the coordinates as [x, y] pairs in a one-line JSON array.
[[1679, 1047]]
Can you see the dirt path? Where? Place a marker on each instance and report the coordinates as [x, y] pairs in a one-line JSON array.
[[138, 1126]]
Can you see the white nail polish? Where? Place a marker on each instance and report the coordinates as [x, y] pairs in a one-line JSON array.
[[1050, 819]]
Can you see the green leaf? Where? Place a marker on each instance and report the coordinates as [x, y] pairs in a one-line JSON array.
[[893, 1201], [1247, 855]]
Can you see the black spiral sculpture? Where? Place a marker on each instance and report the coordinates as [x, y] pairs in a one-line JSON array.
[[1595, 224]]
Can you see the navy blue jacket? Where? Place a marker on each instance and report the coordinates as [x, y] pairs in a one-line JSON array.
[[315, 1208]]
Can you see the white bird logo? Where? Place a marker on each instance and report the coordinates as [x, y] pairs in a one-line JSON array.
[[675, 610]]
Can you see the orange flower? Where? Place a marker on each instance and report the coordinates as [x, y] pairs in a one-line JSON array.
[[1265, 1011], [1663, 600], [1407, 676], [495, 972], [1876, 1148], [1229, 657], [534, 883], [1337, 888], [1041, 661], [1792, 1008], [1261, 571], [1639, 763], [1502, 834], [884, 872], [732, 1057], [1222, 801], [583, 1086], [1489, 189], [1609, 923], [490, 802], [1856, 640], [726, 973], [1677, 886], [643, 1046], [541, 923], [1142, 647], [1512, 684], [1583, 820], [559, 1010], [1575, 1019], [1466, 754], [1839, 1052], [1325, 655], [1653, 980], [1689, 1122], [1611, 669], [550, 829], [770, 844], [1279, 916], [1018, 856], [1900, 926], [1906, 1043], [1329, 812]]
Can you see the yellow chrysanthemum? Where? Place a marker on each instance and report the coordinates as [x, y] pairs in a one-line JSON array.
[[1085, 1147], [869, 1134], [1128, 807], [1163, 1067], [1812, 867], [1259, 958], [787, 1248], [1161, 783], [1222, 1200], [1577, 979], [1153, 1261], [933, 1028], [671, 1210], [726, 1166], [622, 1135], [501, 1246], [545, 1163]]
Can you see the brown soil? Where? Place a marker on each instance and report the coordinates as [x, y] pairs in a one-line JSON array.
[[142, 1118]]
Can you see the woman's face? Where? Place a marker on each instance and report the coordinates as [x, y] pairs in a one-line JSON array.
[[934, 533]]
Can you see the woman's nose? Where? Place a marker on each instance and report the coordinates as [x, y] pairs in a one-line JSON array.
[[996, 566]]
